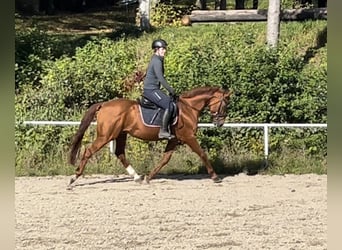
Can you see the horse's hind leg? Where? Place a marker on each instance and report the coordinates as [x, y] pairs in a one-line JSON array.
[[170, 148], [89, 151], [120, 153]]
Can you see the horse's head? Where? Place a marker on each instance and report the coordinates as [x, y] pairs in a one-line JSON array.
[[218, 106]]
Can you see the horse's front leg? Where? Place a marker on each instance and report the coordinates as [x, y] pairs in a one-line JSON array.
[[194, 145], [170, 148]]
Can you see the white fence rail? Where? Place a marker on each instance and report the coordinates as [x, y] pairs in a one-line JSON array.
[[266, 127]]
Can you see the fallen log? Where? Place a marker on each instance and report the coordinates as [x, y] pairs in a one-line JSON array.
[[254, 15]]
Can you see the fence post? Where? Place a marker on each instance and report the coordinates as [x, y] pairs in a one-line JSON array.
[[266, 141]]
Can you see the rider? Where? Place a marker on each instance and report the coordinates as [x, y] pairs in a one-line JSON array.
[[152, 86]]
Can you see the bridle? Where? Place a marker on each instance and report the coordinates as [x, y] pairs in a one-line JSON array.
[[221, 112]]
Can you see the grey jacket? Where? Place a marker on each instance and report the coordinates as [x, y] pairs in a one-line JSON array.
[[155, 75]]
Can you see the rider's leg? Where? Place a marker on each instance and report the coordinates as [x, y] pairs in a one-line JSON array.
[[163, 101], [164, 129]]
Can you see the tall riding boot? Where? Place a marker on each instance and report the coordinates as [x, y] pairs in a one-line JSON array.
[[164, 131]]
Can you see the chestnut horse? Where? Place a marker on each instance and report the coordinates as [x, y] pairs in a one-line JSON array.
[[119, 117]]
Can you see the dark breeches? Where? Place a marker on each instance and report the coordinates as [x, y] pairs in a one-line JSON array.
[[159, 98]]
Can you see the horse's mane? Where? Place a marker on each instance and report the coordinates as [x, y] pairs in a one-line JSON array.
[[199, 91]]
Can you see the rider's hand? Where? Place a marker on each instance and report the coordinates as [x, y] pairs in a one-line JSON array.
[[174, 96]]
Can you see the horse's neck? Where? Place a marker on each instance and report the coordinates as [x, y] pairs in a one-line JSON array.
[[196, 103]]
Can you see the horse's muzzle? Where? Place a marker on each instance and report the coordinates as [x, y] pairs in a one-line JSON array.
[[218, 122]]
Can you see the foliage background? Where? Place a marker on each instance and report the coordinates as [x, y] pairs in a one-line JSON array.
[[58, 77]]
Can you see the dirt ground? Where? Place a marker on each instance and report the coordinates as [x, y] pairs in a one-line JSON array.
[[173, 212]]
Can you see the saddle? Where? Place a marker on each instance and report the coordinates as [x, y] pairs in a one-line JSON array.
[[146, 103], [151, 114]]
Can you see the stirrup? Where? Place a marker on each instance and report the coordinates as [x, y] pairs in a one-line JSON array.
[[165, 135]]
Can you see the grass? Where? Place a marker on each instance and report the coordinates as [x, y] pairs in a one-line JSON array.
[[183, 161]]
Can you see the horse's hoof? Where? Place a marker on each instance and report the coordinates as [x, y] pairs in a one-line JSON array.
[[72, 180], [69, 187], [138, 179], [217, 179], [147, 180]]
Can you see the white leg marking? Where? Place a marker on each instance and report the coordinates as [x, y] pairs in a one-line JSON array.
[[132, 172]]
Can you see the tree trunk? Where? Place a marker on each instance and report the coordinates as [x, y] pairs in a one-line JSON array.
[[273, 23], [321, 3], [223, 4], [29, 7], [47, 7], [217, 4], [144, 12], [240, 4], [201, 4], [255, 4]]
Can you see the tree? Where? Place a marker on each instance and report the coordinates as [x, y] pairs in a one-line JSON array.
[[273, 23], [201, 4], [220, 4], [255, 4], [144, 12], [47, 6], [27, 6], [239, 4]]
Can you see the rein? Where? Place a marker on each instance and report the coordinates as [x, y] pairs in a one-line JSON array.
[[198, 110]]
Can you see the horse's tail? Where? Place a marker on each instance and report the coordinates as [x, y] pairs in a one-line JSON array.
[[77, 139]]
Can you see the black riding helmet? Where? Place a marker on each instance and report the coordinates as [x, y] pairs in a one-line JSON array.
[[159, 43]]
